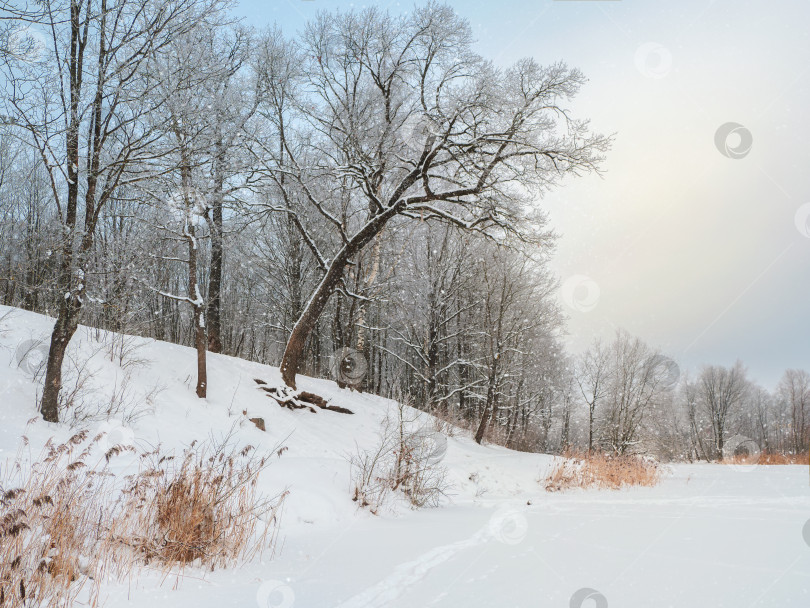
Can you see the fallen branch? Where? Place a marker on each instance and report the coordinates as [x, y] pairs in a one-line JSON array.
[[297, 400]]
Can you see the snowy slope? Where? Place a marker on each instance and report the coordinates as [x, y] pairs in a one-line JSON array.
[[707, 536]]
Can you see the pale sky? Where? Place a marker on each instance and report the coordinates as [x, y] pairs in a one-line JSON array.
[[697, 253]]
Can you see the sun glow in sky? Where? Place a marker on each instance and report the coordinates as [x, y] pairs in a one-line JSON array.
[[701, 247]]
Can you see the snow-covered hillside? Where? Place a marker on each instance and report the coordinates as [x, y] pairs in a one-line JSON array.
[[707, 536]]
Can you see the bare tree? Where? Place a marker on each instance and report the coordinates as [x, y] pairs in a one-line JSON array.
[[405, 122], [592, 379], [88, 96], [720, 391], [636, 383], [794, 391]]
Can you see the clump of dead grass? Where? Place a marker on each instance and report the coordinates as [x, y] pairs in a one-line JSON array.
[[766, 458], [202, 507], [603, 471], [67, 522], [778, 458]]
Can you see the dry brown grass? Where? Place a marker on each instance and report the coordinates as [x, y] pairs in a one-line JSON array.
[[767, 458], [603, 471], [66, 523], [48, 527], [776, 458], [203, 508]]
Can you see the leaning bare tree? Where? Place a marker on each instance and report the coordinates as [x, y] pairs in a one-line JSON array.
[[381, 120], [82, 100]]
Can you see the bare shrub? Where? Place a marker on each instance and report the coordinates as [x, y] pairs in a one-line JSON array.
[[124, 402], [603, 471], [123, 349], [404, 458], [371, 471]]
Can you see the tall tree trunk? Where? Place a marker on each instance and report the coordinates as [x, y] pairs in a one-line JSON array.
[[198, 305], [67, 319], [214, 316], [489, 408], [66, 323], [297, 342]]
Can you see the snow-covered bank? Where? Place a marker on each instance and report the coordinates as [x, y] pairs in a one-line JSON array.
[[707, 536]]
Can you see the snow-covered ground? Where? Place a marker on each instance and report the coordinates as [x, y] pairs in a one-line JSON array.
[[708, 536]]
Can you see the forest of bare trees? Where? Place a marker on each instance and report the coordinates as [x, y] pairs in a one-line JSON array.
[[362, 201]]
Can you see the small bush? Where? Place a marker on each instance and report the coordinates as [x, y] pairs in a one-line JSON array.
[[604, 471], [403, 459], [203, 508]]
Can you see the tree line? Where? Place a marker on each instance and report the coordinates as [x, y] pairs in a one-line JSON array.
[[358, 201]]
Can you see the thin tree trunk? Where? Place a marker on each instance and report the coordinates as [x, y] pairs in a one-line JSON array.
[[200, 338], [489, 409], [214, 317]]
